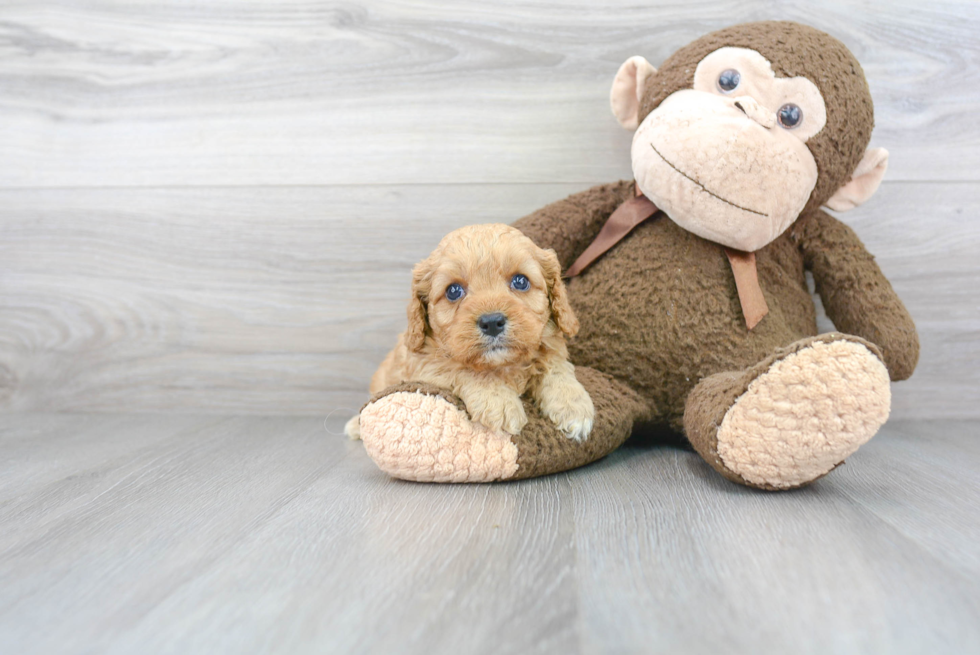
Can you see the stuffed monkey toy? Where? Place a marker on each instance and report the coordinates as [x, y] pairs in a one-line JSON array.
[[689, 281]]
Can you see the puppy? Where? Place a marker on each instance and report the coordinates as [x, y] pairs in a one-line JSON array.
[[487, 320]]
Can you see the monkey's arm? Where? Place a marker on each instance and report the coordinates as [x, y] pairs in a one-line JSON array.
[[856, 294], [570, 225]]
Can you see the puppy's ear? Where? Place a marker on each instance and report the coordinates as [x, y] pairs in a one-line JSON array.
[[418, 315], [561, 309]]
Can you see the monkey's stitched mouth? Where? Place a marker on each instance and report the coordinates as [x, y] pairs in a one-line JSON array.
[[705, 189]]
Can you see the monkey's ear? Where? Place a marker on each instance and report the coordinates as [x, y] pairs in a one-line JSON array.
[[863, 184], [561, 309], [418, 315], [627, 91]]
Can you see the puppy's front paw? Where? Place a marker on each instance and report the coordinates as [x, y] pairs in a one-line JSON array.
[[503, 411], [353, 428], [577, 430], [568, 405]]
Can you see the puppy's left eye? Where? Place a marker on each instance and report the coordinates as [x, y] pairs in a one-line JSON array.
[[454, 292], [520, 283]]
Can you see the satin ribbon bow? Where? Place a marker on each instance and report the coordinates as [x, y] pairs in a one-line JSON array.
[[638, 209]]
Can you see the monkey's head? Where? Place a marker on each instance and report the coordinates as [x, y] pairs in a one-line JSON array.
[[744, 129]]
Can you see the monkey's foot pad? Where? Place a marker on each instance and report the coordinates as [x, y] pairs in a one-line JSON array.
[[805, 414], [428, 438]]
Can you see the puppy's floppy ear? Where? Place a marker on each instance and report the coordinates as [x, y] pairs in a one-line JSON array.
[[418, 315], [561, 309]]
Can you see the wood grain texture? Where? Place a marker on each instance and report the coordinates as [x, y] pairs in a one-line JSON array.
[[110, 93], [214, 207], [809, 572], [284, 300], [278, 299], [217, 534]]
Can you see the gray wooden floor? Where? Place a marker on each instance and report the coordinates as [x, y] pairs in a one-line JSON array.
[[207, 534]]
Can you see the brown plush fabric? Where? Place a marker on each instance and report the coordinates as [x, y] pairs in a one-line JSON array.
[[793, 50], [418, 387], [541, 450], [857, 297], [659, 312], [570, 225], [711, 399]]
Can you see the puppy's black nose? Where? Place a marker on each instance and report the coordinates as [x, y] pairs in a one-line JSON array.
[[492, 324]]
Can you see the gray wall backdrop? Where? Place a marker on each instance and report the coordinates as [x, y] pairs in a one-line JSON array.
[[214, 207]]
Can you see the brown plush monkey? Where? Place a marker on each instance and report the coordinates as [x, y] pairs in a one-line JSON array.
[[700, 318]]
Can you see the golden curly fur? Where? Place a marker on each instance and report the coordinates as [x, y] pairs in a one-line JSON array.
[[445, 345]]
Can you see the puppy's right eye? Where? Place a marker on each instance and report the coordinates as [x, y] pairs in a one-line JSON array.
[[454, 292]]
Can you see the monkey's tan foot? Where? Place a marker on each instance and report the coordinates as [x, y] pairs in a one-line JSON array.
[[795, 416], [419, 432], [422, 433]]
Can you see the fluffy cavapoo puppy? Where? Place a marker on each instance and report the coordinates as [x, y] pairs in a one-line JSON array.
[[488, 320]]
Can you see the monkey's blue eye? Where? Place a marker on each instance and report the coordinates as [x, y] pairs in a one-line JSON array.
[[520, 283], [790, 116], [728, 80], [454, 292]]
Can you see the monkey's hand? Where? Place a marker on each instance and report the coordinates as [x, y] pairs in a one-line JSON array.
[[856, 295]]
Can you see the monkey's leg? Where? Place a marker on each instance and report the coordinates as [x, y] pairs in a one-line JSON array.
[[419, 432], [793, 417]]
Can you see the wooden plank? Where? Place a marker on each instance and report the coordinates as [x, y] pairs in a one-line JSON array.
[[872, 558], [283, 537], [360, 563], [257, 535], [25, 467], [284, 300], [113, 93], [932, 484], [143, 525]]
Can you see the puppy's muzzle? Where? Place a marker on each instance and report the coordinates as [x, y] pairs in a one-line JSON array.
[[492, 324]]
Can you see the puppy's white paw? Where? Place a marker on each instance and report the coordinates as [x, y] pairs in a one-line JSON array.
[[353, 428], [568, 405], [578, 430], [503, 411]]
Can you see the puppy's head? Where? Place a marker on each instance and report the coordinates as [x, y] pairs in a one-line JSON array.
[[487, 296]]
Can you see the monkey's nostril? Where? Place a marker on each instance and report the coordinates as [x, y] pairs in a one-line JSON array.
[[492, 324], [753, 111]]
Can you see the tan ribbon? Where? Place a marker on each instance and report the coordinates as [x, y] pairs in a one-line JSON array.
[[627, 216], [638, 209], [754, 306]]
